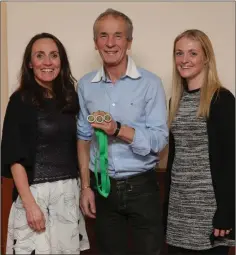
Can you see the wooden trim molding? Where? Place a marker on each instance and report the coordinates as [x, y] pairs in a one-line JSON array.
[[6, 185], [4, 61]]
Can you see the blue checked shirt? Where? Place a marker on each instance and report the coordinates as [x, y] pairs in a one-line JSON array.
[[137, 100]]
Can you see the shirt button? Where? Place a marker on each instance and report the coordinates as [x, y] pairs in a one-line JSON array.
[[113, 104]]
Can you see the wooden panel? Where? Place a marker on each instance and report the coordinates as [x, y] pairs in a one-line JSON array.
[[6, 185], [163, 158], [6, 202]]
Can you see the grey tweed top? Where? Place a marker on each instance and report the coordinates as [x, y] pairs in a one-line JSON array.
[[192, 201]]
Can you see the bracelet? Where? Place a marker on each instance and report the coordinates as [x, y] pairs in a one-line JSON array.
[[117, 129], [85, 187]]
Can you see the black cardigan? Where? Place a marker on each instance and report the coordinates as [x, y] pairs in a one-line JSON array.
[[19, 136], [221, 139]]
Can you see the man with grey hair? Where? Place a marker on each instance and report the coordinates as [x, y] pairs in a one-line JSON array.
[[122, 126]]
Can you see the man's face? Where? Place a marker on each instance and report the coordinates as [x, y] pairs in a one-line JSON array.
[[111, 40]]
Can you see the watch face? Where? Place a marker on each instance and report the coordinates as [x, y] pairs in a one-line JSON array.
[[107, 117], [99, 118], [91, 118]]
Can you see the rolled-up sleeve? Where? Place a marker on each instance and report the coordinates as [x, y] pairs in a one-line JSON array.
[[84, 129], [153, 137]]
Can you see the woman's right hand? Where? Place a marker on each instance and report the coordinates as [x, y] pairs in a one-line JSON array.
[[35, 217], [87, 203]]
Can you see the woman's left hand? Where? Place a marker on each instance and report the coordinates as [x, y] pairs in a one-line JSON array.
[[221, 232]]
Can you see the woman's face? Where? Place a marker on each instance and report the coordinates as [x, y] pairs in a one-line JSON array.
[[189, 58], [45, 61]]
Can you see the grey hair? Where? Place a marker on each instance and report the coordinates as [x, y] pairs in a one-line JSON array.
[[114, 13]]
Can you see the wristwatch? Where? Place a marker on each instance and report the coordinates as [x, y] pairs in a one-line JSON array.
[[117, 128]]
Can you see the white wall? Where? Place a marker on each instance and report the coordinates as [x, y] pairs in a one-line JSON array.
[[155, 27], [156, 24]]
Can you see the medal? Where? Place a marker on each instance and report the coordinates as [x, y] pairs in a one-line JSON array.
[[107, 117], [102, 180], [99, 119], [102, 117], [91, 118]]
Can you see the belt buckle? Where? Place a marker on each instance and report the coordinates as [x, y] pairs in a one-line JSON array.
[[119, 182], [129, 187]]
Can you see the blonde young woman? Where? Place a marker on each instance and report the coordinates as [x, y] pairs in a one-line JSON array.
[[200, 201]]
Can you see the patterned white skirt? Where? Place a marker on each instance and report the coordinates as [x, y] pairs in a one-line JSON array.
[[65, 226]]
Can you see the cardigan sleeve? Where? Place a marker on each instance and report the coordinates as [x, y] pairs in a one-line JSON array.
[[12, 147], [170, 160], [223, 175], [167, 182]]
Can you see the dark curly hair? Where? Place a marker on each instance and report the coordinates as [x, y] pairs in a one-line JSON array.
[[63, 88]]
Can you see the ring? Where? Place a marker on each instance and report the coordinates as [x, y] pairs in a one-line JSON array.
[[91, 118]]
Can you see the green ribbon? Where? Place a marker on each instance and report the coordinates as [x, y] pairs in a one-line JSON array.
[[104, 185]]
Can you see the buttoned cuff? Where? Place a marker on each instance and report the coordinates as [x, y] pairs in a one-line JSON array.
[[140, 144]]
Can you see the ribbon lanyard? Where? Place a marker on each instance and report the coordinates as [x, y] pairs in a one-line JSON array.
[[104, 186]]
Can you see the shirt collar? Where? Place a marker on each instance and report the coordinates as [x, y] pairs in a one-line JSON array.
[[131, 72]]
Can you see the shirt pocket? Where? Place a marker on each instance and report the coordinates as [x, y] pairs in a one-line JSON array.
[[135, 110], [97, 100]]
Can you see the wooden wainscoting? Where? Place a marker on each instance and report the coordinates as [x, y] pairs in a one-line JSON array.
[[6, 202]]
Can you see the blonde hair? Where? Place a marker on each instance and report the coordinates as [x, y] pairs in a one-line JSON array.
[[211, 82]]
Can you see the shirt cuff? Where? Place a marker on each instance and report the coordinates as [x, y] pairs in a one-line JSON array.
[[140, 144], [85, 138]]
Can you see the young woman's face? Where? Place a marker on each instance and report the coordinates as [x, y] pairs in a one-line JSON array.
[[45, 61], [189, 58]]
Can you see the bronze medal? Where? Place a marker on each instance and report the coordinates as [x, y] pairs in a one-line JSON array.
[[107, 117], [91, 118], [99, 119]]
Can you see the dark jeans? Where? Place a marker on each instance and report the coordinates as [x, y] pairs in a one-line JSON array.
[[130, 216], [220, 250]]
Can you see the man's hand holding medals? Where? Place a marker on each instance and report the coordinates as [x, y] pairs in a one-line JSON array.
[[103, 120], [104, 125]]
